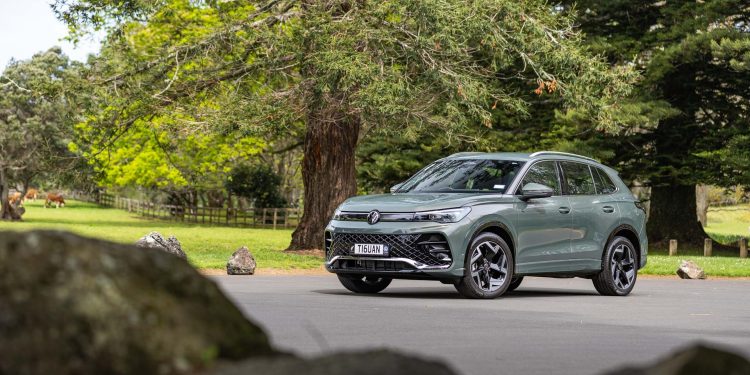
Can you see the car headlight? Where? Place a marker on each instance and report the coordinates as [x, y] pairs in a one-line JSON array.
[[337, 214], [451, 215]]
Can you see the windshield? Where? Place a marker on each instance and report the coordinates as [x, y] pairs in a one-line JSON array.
[[464, 176]]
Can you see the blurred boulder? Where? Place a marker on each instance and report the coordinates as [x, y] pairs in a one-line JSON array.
[[241, 262], [690, 270], [377, 362], [693, 360], [155, 240], [73, 305]]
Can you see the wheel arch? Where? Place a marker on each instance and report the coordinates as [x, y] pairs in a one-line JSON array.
[[499, 229], [631, 234]]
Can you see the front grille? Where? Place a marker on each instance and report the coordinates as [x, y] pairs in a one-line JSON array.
[[429, 249]]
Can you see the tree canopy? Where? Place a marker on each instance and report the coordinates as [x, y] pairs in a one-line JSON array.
[[337, 69], [694, 60], [35, 118]]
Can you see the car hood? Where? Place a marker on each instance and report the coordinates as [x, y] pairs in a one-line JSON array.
[[413, 202]]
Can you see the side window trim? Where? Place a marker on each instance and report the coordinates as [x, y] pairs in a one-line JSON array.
[[562, 178], [558, 172], [597, 190]]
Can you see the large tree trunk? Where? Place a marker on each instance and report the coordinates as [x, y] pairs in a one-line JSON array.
[[673, 215], [328, 174], [7, 211], [701, 202]]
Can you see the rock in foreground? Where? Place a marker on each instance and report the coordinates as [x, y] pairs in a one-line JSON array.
[[155, 240], [241, 262], [695, 360], [72, 305], [379, 362], [689, 270]]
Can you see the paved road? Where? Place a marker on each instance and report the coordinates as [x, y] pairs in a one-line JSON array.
[[558, 326]]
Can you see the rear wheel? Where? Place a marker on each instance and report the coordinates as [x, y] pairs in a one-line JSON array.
[[488, 268], [515, 283], [619, 269], [364, 284]]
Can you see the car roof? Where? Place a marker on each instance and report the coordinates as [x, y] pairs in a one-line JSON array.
[[525, 156]]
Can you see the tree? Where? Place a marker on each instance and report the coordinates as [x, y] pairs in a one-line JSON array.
[[256, 182], [153, 155], [342, 67], [34, 123], [695, 58]]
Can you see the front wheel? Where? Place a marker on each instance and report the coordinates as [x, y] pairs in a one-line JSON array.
[[619, 269], [364, 284], [488, 268]]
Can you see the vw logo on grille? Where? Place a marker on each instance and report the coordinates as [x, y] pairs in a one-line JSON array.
[[373, 217]]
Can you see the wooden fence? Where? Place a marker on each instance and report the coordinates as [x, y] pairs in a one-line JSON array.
[[283, 217]]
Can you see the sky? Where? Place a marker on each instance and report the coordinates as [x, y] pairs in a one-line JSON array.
[[30, 26]]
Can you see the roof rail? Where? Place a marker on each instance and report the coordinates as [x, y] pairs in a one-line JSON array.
[[465, 154], [540, 153]]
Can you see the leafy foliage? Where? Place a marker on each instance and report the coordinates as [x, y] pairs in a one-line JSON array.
[[694, 57], [35, 111], [391, 63], [258, 183]]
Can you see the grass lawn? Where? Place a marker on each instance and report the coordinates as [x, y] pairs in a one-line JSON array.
[[723, 265], [206, 246], [729, 224], [209, 247]]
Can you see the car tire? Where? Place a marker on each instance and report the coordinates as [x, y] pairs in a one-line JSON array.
[[619, 269], [364, 284], [487, 268], [515, 283]]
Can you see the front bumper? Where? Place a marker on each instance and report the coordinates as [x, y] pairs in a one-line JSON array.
[[402, 261]]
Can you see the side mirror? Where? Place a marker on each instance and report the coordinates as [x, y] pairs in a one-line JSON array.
[[395, 188], [533, 190]]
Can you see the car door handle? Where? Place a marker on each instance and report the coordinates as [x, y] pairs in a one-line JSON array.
[[608, 209], [564, 210]]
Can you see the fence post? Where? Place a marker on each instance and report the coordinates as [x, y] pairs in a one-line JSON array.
[[275, 215], [743, 247], [707, 247], [672, 247]]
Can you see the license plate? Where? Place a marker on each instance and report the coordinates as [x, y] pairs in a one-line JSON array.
[[370, 249]]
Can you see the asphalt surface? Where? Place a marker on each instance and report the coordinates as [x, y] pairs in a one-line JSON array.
[[559, 326]]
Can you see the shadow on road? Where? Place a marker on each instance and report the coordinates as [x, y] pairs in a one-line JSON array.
[[447, 294]]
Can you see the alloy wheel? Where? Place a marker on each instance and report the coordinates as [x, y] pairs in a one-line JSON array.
[[623, 266], [489, 266]]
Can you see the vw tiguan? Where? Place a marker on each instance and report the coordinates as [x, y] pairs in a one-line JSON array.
[[483, 221]]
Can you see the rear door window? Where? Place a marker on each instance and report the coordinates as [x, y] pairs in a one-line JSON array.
[[604, 184], [578, 178]]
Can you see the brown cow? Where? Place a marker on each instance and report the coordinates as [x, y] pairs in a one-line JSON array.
[[13, 198], [32, 194], [54, 198]]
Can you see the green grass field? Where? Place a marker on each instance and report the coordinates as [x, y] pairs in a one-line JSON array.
[[207, 247]]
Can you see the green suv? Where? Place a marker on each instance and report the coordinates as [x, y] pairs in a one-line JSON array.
[[483, 221]]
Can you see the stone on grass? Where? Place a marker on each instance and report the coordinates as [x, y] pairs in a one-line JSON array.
[[378, 362], [241, 262], [689, 270], [73, 305], [697, 359], [155, 240]]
